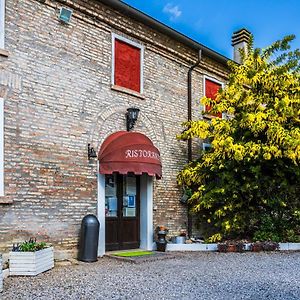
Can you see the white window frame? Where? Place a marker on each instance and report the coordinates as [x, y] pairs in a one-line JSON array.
[[206, 145], [205, 77], [2, 24], [130, 42], [1, 147]]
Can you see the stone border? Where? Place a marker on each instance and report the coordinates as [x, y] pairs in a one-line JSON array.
[[214, 247], [192, 247]]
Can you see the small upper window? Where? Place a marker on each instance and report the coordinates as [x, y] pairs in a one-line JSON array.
[[2, 23], [211, 89], [127, 69]]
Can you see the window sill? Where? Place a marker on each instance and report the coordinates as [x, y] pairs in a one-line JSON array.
[[210, 117], [4, 200], [4, 52], [127, 91]]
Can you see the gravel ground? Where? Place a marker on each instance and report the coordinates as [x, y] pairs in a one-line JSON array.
[[188, 276]]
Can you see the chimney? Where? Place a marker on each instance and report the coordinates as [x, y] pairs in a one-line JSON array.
[[240, 40]]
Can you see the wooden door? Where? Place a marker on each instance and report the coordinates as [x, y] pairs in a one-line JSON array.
[[122, 211]]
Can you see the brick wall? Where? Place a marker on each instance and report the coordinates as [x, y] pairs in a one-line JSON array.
[[58, 98]]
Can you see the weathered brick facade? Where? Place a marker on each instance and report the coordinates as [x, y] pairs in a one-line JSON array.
[[56, 84]]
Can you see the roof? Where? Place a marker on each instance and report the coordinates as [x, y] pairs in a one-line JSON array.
[[160, 27]]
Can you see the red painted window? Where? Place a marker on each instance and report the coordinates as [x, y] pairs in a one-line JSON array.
[[211, 90], [127, 66]]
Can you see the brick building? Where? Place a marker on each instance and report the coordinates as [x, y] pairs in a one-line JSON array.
[[64, 86]]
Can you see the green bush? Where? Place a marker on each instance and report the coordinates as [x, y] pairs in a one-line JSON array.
[[247, 184]]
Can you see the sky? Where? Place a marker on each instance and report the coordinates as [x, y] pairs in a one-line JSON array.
[[212, 23]]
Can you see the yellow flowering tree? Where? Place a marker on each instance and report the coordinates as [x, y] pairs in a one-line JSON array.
[[247, 185]]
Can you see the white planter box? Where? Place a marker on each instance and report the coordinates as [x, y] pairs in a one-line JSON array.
[[1, 275], [31, 263], [192, 247]]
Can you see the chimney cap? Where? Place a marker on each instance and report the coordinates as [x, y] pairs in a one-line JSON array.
[[241, 35]]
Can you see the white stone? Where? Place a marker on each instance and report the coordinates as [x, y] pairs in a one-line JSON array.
[[31, 263], [192, 247], [294, 246], [289, 246]]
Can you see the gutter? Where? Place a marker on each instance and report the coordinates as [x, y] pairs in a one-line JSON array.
[[189, 87], [164, 29]]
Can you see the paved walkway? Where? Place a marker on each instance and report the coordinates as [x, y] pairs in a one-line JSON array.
[[187, 276]]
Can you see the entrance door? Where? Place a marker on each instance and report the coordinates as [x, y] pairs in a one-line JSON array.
[[122, 212]]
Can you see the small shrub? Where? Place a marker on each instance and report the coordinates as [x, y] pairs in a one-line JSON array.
[[292, 236]]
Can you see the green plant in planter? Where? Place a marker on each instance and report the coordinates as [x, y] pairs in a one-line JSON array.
[[29, 246]]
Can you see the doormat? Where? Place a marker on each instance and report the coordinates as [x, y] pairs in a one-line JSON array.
[[140, 256], [132, 253]]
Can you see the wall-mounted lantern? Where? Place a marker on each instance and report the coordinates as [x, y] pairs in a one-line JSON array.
[[131, 117], [91, 152]]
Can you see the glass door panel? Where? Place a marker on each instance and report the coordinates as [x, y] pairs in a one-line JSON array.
[[129, 196], [111, 199]]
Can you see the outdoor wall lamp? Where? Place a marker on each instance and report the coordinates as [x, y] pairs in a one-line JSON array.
[[91, 152], [131, 117]]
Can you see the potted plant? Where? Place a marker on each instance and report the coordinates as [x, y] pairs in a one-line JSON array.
[[181, 238], [264, 246], [240, 246], [270, 246], [256, 247], [222, 247], [231, 246], [161, 242], [30, 258]]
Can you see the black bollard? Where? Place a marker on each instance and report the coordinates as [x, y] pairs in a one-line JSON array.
[[89, 235]]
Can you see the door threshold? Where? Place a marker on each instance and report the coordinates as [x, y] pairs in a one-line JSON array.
[[124, 250]]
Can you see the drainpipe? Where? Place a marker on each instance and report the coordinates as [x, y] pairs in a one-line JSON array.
[[189, 216]]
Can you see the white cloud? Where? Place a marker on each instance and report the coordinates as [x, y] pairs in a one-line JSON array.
[[172, 10]]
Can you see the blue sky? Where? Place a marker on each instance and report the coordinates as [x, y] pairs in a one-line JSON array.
[[213, 22]]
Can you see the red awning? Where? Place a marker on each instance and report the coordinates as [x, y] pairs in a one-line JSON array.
[[125, 152]]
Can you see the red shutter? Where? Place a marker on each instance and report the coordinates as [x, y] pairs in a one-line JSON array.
[[127, 66], [211, 90]]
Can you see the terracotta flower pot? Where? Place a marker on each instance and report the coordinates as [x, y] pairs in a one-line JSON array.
[[256, 248], [231, 248]]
